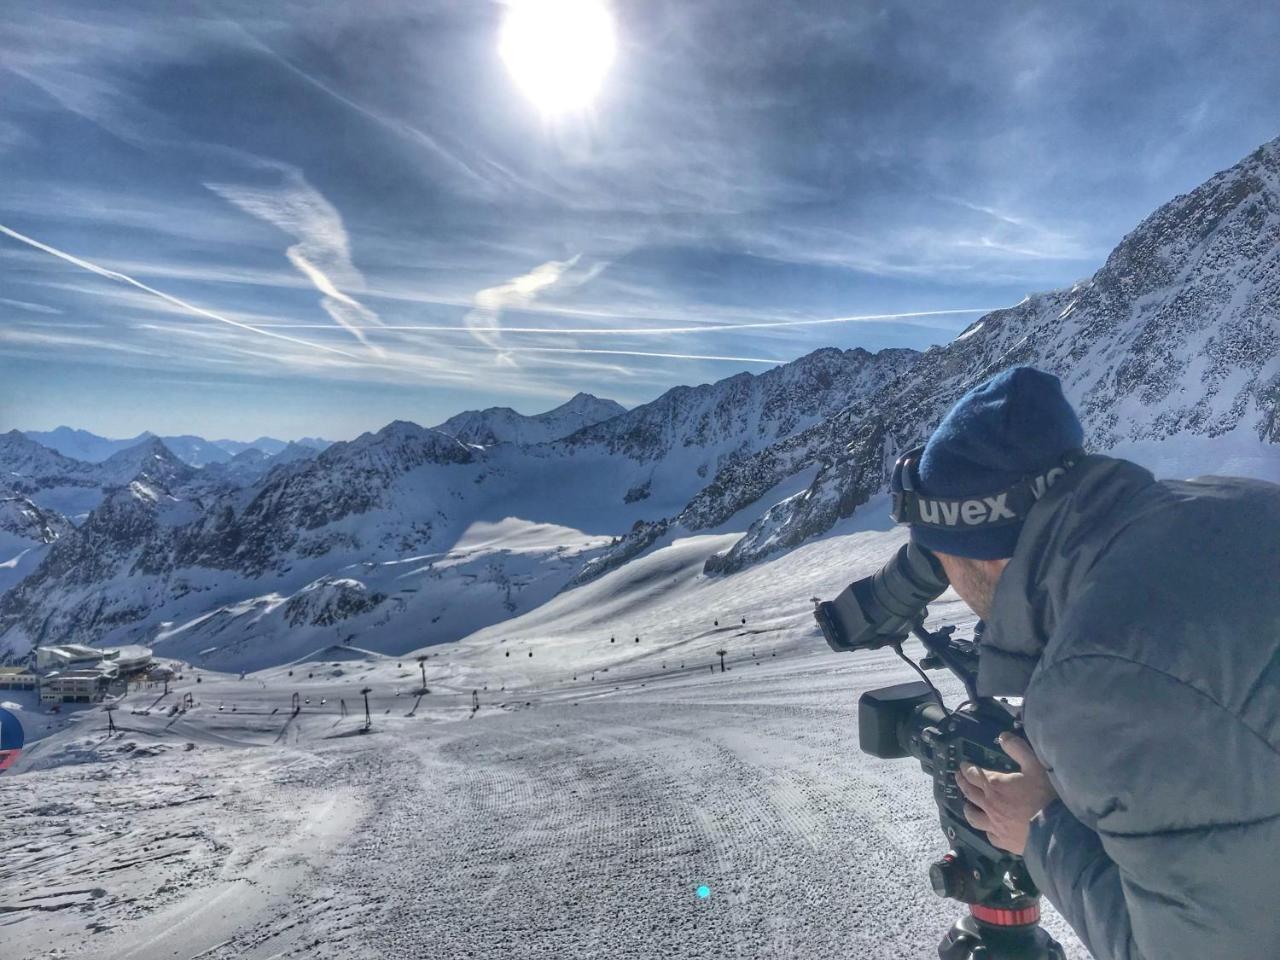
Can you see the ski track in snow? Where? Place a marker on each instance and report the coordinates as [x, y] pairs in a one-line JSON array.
[[579, 826]]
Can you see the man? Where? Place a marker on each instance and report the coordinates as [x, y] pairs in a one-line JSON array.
[[1139, 620]]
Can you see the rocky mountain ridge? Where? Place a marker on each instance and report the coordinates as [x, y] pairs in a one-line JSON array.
[[504, 425], [1178, 334]]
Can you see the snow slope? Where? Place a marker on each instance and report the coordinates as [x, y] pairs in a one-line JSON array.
[[495, 570]]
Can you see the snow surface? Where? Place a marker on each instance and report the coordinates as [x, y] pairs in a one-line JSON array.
[[574, 815]]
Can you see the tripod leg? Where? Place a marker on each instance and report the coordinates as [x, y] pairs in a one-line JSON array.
[[960, 943]]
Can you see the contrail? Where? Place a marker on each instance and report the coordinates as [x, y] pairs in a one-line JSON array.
[[635, 331], [638, 353], [190, 307]]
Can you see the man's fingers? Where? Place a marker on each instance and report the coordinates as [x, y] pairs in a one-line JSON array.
[[969, 790], [975, 775], [977, 817], [1021, 753]]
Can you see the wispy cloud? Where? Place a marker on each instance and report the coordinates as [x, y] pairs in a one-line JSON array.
[[520, 291], [450, 158], [58, 338], [323, 251], [645, 353]]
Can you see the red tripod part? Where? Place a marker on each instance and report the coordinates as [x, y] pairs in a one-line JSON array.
[[1006, 916]]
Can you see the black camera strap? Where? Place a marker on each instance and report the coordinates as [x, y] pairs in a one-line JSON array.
[[999, 508]]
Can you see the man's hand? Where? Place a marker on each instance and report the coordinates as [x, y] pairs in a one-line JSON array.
[[1002, 804]]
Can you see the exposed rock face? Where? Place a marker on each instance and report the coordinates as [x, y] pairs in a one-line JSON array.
[[744, 413], [330, 600], [743, 432], [21, 518], [151, 460], [26, 533], [839, 489]]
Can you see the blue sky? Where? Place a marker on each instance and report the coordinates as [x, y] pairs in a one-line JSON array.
[[281, 218]]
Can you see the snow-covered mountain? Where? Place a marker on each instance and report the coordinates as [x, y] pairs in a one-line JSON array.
[[24, 464], [74, 487], [81, 444], [246, 468], [270, 445], [486, 531], [504, 425], [192, 450], [54, 482], [686, 437], [1171, 352], [151, 459], [376, 535]]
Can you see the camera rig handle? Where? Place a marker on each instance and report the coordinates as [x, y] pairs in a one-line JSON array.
[[958, 656]]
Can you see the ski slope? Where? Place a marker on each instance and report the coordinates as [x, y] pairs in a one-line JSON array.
[[567, 817]]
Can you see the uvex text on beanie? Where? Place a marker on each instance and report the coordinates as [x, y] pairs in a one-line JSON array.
[[1017, 424]]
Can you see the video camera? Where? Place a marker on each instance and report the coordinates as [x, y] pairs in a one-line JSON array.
[[912, 719]]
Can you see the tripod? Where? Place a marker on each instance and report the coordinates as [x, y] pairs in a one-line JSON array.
[[1004, 907]]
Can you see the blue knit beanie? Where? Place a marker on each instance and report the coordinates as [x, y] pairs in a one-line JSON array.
[[1015, 425]]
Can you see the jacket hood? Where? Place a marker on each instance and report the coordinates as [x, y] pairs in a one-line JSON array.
[[1063, 537]]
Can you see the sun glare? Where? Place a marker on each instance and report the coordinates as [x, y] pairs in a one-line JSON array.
[[558, 51]]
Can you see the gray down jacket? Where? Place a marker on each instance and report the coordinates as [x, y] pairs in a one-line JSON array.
[[1140, 621]]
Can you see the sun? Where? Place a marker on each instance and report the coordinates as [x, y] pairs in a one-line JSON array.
[[558, 51]]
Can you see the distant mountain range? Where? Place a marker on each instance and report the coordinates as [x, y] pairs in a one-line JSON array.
[[1171, 352], [192, 450]]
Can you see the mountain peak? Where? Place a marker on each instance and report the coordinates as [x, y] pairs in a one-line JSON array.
[[504, 425], [582, 398], [151, 459]]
